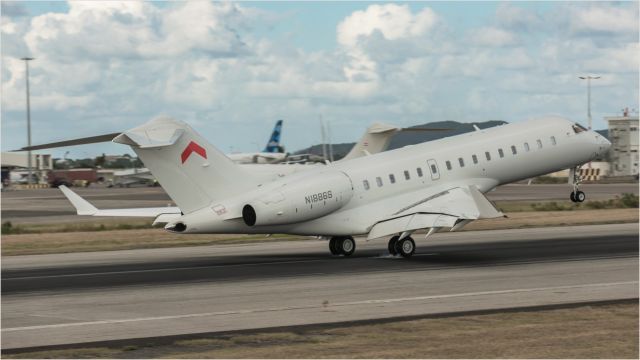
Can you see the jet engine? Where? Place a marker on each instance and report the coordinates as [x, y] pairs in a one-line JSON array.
[[301, 201]]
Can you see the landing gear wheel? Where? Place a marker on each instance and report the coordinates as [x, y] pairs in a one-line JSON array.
[[346, 246], [580, 196], [406, 247], [333, 242], [572, 196], [392, 245]]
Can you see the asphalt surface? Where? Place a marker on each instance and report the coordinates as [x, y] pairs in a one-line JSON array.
[[84, 297], [49, 205]]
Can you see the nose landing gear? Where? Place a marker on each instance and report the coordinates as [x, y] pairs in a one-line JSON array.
[[575, 180]]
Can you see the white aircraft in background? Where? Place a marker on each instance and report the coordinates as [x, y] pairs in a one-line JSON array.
[[434, 185], [273, 151]]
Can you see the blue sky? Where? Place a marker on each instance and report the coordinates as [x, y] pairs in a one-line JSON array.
[[232, 69]]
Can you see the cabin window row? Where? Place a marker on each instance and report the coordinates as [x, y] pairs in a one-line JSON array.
[[392, 178], [487, 154]]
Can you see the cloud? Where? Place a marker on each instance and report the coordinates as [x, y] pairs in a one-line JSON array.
[[104, 68], [392, 21], [604, 18], [13, 9], [493, 37]]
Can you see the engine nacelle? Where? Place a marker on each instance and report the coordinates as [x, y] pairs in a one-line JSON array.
[[301, 201]]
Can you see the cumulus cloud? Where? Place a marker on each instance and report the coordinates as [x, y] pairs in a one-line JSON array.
[[392, 21], [105, 66], [492, 36], [604, 18]]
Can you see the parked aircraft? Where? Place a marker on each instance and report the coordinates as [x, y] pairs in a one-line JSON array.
[[434, 185], [273, 151]]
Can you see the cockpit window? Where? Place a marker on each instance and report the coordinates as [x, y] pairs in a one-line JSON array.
[[577, 128]]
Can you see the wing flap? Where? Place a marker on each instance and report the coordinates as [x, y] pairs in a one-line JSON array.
[[451, 208], [410, 223]]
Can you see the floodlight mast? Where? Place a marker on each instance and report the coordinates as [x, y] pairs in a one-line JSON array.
[[29, 165], [589, 78]]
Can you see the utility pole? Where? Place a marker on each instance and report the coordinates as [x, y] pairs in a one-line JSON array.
[[26, 63]]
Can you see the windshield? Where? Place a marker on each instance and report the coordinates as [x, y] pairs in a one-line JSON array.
[[577, 128]]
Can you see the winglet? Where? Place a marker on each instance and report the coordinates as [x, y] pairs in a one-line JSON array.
[[83, 207]]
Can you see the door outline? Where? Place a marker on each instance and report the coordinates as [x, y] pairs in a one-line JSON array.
[[436, 175]]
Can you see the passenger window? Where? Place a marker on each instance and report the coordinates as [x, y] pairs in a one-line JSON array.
[[488, 156], [406, 175], [553, 140], [475, 158], [526, 146], [539, 143], [365, 183], [379, 181], [434, 169], [419, 171], [513, 150], [448, 163], [392, 178], [501, 153], [461, 161]]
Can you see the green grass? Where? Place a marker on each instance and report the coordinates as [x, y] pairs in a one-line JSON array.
[[624, 201], [9, 229]]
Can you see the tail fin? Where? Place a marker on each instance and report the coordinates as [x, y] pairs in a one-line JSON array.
[[273, 146], [192, 171], [375, 140]]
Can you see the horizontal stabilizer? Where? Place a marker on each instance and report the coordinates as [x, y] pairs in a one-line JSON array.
[[79, 141], [83, 207]]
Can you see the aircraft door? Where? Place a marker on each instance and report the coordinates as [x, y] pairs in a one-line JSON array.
[[433, 169]]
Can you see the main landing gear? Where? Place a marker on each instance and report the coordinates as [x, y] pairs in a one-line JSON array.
[[342, 245], [405, 247], [575, 179]]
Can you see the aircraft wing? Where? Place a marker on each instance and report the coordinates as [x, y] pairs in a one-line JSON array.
[[83, 207], [452, 208]]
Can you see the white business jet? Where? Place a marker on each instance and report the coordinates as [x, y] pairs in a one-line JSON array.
[[435, 185]]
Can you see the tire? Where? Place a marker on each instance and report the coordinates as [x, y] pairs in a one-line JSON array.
[[572, 197], [392, 245], [406, 247], [580, 196], [333, 246], [347, 246]]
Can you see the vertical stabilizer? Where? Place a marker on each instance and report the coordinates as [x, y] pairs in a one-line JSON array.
[[273, 145], [375, 140], [192, 172]]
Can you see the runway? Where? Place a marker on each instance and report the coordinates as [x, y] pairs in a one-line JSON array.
[[49, 205], [86, 297]]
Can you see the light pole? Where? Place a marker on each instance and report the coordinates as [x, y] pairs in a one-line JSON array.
[[26, 63], [589, 78]]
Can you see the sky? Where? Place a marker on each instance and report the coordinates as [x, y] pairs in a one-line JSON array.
[[231, 69]]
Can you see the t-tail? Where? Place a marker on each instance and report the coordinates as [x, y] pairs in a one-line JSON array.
[[273, 146], [192, 172]]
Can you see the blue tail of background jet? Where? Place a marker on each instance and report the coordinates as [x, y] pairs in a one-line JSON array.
[[273, 146]]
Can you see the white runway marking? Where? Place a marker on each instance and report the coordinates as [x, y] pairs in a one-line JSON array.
[[319, 306]]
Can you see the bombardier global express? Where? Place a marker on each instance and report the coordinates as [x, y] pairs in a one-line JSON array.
[[435, 185]]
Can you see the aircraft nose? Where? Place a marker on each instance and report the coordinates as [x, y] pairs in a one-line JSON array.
[[602, 144]]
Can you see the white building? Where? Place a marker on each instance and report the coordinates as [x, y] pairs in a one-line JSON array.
[[18, 162], [623, 134]]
